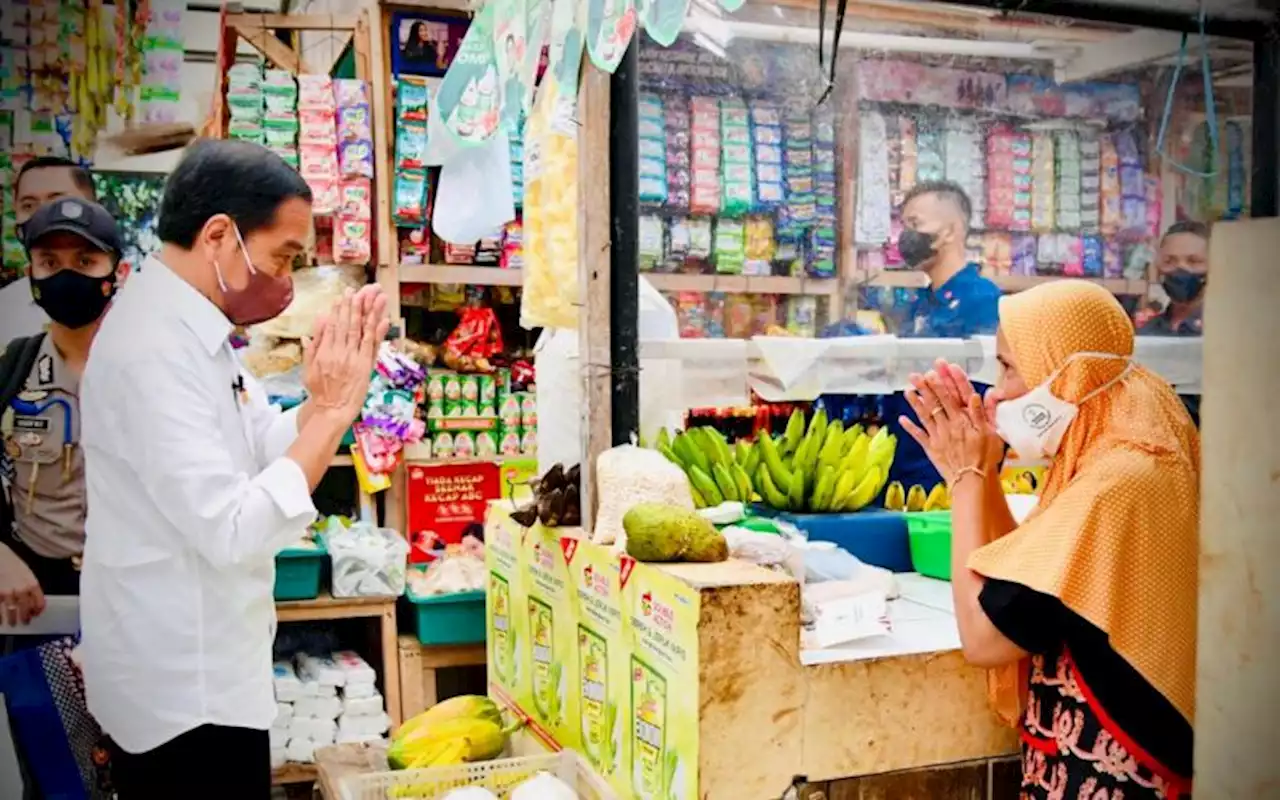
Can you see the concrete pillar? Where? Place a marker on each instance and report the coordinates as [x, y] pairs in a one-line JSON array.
[[1237, 726]]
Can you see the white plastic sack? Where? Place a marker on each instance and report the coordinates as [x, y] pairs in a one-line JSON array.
[[560, 375], [367, 561], [474, 196], [628, 475]]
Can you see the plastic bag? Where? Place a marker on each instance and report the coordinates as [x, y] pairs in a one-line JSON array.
[[627, 475], [367, 561], [765, 550], [474, 196]]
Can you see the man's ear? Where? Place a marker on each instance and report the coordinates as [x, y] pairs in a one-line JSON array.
[[123, 270]]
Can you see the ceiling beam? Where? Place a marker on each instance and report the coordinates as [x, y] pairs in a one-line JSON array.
[[1136, 15], [1127, 51]]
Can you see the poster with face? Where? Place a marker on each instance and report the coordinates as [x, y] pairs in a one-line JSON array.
[[424, 44], [565, 44], [470, 96], [510, 28], [610, 26]]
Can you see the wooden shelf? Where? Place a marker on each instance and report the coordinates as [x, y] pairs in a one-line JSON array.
[[743, 284], [294, 773], [326, 607], [445, 273], [1009, 283]]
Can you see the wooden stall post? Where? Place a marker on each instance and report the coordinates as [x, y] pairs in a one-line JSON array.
[[1239, 508], [593, 277]]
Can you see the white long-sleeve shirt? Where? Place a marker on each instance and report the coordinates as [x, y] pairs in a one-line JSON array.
[[189, 499]]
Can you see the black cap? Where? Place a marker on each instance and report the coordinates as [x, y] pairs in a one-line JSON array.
[[85, 219]]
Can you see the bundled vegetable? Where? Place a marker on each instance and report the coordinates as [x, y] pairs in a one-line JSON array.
[[557, 499]]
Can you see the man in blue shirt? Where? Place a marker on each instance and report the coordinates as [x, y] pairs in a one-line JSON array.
[[958, 303]]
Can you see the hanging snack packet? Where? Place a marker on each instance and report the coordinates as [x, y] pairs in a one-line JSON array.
[[410, 198], [315, 92], [738, 187], [354, 122], [704, 192], [316, 126], [730, 247], [357, 199], [355, 158], [412, 96], [352, 241], [348, 92], [652, 145], [700, 243], [411, 146], [318, 162], [677, 128], [325, 195], [650, 242], [760, 246]]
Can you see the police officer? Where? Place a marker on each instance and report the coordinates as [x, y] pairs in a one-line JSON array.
[[74, 248], [40, 180]]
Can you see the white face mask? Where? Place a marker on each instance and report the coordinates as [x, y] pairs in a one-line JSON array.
[[1035, 423]]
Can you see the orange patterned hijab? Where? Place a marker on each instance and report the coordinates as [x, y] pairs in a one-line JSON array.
[[1115, 536]]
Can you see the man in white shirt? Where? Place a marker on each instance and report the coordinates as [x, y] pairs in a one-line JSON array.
[[195, 482], [40, 181]]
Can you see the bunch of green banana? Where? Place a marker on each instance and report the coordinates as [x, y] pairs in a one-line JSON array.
[[716, 473], [897, 499], [823, 467]]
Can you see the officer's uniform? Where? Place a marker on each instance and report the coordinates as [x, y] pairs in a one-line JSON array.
[[46, 473]]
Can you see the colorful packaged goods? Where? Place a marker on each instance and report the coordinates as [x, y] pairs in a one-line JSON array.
[[766, 135], [678, 129], [822, 240], [652, 144], [704, 194]]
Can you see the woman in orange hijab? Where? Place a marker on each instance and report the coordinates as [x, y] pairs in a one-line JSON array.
[[1086, 612]]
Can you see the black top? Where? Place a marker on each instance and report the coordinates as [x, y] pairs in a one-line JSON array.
[[1039, 623]]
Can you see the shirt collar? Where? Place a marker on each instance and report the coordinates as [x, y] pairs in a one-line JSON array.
[[196, 311], [962, 278]]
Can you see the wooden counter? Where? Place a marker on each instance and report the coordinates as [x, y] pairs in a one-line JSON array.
[[766, 718]]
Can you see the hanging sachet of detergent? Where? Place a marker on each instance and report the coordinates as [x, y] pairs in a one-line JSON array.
[[469, 99], [663, 19], [610, 27], [510, 32], [537, 33], [565, 46]]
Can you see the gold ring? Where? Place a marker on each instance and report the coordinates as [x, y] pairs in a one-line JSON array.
[[937, 411]]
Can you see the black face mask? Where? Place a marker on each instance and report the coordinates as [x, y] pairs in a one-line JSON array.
[[73, 299], [916, 247], [1182, 285]]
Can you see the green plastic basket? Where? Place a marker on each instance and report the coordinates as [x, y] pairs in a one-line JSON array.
[[929, 536], [298, 571], [449, 618]]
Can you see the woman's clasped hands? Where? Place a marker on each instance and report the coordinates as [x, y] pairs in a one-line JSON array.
[[957, 426]]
